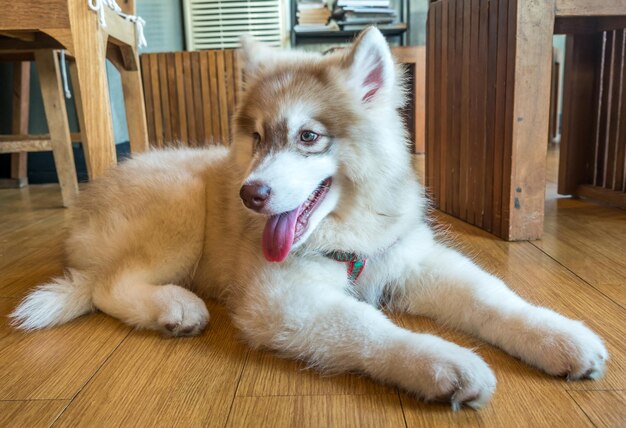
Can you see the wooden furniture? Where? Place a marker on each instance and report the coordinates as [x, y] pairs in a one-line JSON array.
[[488, 100], [191, 96], [593, 147], [19, 123], [414, 59], [58, 140], [28, 27]]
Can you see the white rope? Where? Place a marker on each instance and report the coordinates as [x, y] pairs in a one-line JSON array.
[[98, 7], [66, 86]]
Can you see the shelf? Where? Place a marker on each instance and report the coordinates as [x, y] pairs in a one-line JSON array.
[[321, 36], [298, 37]]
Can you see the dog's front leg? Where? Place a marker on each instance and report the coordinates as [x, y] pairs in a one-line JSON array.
[[334, 332], [453, 290]]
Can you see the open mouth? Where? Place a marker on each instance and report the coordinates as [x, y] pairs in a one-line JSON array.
[[283, 230]]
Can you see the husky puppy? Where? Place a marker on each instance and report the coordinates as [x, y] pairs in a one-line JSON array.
[[310, 221]]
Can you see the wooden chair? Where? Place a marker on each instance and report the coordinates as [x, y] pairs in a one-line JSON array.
[[29, 28], [488, 102], [191, 96], [58, 140]]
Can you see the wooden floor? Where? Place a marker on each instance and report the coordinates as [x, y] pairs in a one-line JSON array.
[[98, 372]]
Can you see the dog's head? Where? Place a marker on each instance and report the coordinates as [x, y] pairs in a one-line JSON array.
[[308, 128]]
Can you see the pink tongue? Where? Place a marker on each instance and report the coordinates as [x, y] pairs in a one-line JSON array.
[[278, 235]]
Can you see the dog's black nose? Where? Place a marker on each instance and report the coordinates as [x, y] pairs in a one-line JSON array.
[[255, 195]]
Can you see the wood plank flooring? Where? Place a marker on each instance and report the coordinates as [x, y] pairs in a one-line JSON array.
[[98, 372]]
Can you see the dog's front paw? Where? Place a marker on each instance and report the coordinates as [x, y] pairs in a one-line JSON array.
[[182, 313], [450, 373], [570, 349]]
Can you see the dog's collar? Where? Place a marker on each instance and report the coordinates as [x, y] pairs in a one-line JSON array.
[[356, 263]]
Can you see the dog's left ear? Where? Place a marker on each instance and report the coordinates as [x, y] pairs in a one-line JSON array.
[[254, 54], [370, 64]]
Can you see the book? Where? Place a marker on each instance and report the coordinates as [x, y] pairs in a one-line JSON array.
[[359, 27], [366, 20], [369, 10], [331, 26], [362, 3]]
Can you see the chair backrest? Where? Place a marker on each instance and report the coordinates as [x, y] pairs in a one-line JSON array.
[[127, 6], [190, 96]]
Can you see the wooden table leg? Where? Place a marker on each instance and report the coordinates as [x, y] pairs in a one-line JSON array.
[[56, 116], [90, 56], [530, 121], [488, 90]]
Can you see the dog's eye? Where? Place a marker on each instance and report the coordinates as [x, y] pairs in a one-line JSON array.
[[308, 137], [256, 138]]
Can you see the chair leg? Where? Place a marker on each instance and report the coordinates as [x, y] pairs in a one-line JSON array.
[[135, 107], [56, 115], [89, 44], [79, 112], [21, 91]]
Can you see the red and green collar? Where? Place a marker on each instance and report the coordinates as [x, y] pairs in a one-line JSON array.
[[356, 263]]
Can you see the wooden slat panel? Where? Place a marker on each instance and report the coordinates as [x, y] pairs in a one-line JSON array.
[[604, 107], [215, 114], [207, 102], [180, 95], [231, 86], [436, 95], [441, 97], [500, 116], [198, 106], [518, 103], [490, 142], [619, 183], [455, 155], [147, 89], [481, 111], [431, 147], [615, 65], [238, 76], [189, 96], [464, 163], [165, 99], [156, 101], [474, 149], [221, 84], [174, 100]]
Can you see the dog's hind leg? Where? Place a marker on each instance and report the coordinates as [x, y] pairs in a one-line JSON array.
[[453, 290], [169, 308]]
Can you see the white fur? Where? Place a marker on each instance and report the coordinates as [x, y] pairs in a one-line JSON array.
[[172, 218], [292, 178], [57, 302]]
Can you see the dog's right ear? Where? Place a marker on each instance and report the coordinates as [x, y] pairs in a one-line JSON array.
[[371, 67], [254, 54]]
